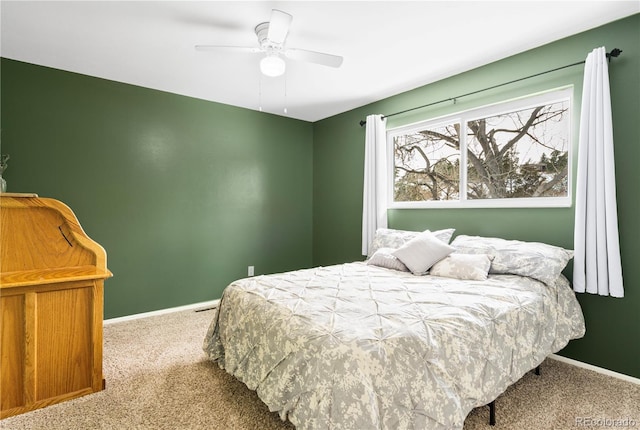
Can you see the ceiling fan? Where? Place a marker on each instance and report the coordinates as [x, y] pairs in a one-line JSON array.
[[272, 36]]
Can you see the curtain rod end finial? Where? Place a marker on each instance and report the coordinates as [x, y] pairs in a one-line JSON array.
[[615, 52]]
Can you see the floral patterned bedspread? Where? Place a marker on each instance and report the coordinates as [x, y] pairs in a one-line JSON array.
[[356, 346]]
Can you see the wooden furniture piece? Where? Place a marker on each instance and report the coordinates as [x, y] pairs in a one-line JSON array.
[[51, 305]]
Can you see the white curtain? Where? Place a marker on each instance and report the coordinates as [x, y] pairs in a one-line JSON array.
[[597, 268], [374, 205]]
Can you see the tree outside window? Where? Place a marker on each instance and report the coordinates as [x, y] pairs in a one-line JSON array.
[[514, 154]]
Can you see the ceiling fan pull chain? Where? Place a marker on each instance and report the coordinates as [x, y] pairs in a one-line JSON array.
[[260, 93], [285, 93]]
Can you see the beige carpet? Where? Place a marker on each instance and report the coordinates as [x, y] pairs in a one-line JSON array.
[[158, 378]]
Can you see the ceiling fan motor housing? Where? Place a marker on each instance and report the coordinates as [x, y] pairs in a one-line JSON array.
[[262, 31]]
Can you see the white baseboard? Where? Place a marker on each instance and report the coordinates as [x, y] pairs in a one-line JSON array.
[[596, 369], [208, 304]]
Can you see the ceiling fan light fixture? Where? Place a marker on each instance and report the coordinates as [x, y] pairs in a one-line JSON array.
[[272, 65]]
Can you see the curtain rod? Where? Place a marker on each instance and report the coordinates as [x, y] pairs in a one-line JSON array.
[[614, 53]]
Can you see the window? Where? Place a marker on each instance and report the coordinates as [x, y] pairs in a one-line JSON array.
[[513, 154]]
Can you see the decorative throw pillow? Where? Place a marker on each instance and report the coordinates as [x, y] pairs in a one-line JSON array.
[[421, 252], [390, 238], [383, 257], [463, 266], [533, 259]]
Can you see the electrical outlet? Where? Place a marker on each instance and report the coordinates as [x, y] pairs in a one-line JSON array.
[[250, 271]]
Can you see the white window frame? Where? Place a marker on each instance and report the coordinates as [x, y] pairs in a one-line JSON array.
[[522, 103]]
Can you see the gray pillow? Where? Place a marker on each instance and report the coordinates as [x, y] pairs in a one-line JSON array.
[[383, 257], [390, 238], [533, 259]]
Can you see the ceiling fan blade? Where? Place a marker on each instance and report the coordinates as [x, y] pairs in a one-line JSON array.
[[279, 26], [220, 48], [314, 57]]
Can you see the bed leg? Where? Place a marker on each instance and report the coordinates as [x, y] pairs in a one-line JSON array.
[[492, 413], [538, 370]]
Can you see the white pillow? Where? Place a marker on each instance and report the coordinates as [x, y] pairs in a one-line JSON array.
[[383, 257], [421, 252], [463, 266]]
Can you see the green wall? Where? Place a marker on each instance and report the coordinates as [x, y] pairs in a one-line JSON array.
[[182, 193], [613, 325]]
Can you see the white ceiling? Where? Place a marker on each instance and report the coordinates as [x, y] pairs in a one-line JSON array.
[[388, 46]]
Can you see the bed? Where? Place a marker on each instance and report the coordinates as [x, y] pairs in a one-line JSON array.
[[364, 346]]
